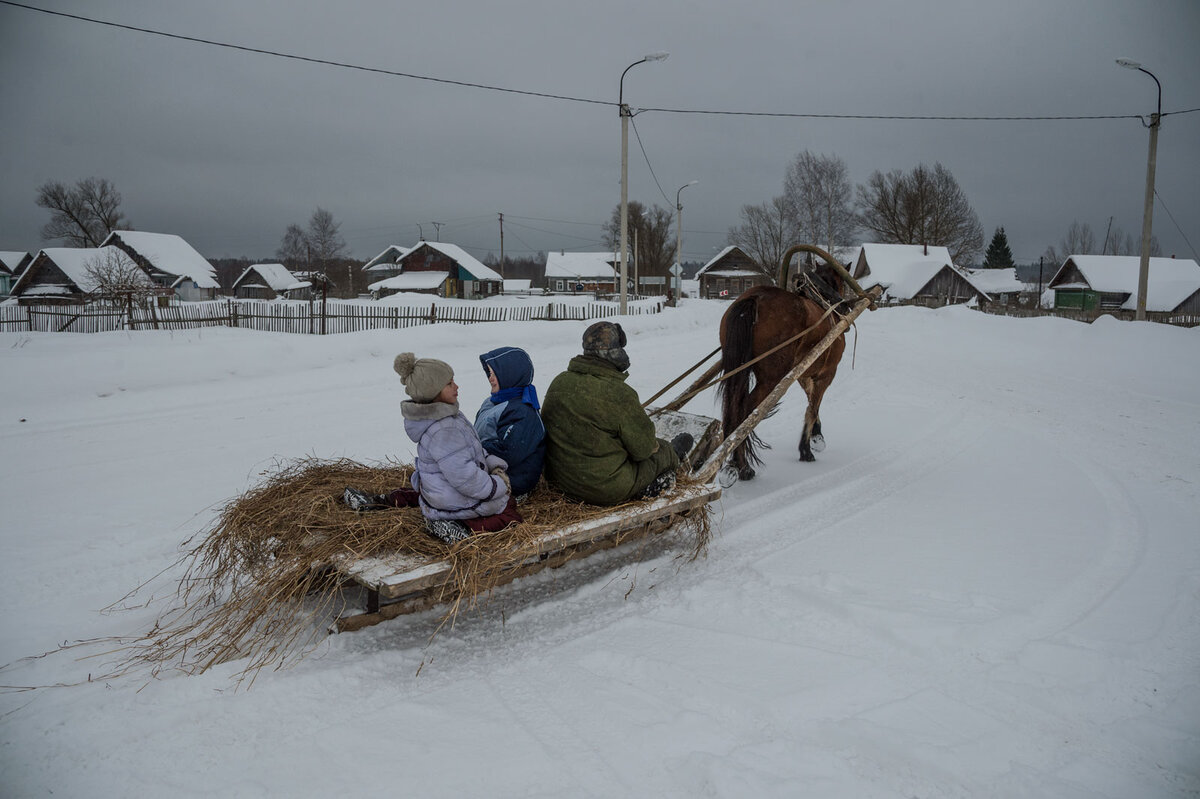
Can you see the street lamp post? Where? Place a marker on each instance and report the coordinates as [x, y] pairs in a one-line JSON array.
[[679, 239], [625, 115], [1148, 210]]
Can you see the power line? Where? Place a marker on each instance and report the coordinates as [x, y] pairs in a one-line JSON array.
[[308, 59], [638, 136], [569, 98], [1181, 233]]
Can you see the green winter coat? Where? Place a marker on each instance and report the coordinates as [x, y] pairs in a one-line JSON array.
[[600, 445]]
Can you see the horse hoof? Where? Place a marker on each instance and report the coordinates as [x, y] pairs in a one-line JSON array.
[[806, 457], [817, 443], [746, 473]]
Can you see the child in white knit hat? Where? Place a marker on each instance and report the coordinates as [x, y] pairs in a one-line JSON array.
[[459, 487]]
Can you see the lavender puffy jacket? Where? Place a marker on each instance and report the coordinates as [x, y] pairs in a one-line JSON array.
[[452, 466]]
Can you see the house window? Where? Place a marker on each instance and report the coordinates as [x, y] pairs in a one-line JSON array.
[[559, 285]]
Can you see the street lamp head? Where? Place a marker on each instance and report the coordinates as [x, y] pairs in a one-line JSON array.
[[1129, 63], [657, 56], [690, 183]]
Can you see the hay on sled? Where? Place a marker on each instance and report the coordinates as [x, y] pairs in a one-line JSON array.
[[254, 586]]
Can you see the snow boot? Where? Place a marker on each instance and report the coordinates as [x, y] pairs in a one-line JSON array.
[[360, 501], [447, 530]]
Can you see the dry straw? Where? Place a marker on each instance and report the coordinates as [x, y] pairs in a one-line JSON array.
[[254, 587]]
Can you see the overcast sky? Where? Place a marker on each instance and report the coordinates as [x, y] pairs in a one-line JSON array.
[[226, 148]]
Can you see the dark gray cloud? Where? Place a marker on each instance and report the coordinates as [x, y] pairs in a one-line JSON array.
[[227, 148]]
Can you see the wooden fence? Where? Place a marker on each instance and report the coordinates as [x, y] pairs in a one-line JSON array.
[[315, 318], [1025, 312]]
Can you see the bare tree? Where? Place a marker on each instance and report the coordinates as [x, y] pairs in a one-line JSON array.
[[765, 233], [84, 214], [655, 242], [293, 249], [116, 278], [925, 206], [323, 236], [819, 197], [1081, 241]]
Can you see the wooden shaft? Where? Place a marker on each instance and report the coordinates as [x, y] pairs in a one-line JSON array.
[[713, 465]]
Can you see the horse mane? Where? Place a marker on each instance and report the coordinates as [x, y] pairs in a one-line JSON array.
[[821, 283]]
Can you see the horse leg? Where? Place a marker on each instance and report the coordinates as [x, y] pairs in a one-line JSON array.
[[812, 440], [810, 418]]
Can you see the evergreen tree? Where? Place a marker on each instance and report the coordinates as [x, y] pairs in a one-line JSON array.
[[998, 255]]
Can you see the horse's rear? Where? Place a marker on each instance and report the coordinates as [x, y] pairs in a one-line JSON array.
[[759, 320]]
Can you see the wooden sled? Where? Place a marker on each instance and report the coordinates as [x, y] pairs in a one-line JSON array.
[[399, 584]]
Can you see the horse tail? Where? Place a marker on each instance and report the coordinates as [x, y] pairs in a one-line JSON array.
[[738, 349]]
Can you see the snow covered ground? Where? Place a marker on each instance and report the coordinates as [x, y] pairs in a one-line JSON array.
[[986, 585]]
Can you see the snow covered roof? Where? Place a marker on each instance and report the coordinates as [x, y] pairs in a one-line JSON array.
[[276, 276], [74, 263], [1170, 280], [905, 269], [461, 257], [716, 258], [386, 259], [996, 281], [891, 258], [581, 265], [731, 273], [10, 260], [170, 254], [411, 281]]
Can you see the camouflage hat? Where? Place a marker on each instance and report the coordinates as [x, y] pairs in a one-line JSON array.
[[603, 336], [606, 340]]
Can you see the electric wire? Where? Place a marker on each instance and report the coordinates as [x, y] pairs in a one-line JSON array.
[[570, 98], [638, 136], [1176, 224]]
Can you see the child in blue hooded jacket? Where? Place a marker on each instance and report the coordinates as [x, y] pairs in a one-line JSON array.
[[508, 422]]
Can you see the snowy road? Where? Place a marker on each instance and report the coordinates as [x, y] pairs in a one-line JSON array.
[[987, 585]]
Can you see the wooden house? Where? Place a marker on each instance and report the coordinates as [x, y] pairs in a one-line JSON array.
[[441, 269], [582, 272], [68, 275], [1001, 286], [1110, 282], [386, 264], [915, 274], [269, 282], [12, 264], [170, 261], [729, 274]]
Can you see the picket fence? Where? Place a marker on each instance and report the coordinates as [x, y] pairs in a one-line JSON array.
[[315, 318]]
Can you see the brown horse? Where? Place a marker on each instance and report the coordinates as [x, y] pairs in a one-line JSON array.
[[759, 320]]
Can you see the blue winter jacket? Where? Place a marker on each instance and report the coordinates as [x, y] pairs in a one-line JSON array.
[[452, 469], [508, 422]]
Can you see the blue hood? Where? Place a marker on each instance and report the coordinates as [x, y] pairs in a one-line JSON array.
[[512, 366]]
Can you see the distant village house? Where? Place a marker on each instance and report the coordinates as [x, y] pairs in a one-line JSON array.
[[730, 273], [1110, 282], [170, 262], [440, 269], [269, 282], [582, 272]]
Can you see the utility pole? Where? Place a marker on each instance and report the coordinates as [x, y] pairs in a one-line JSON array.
[[437, 229], [501, 246], [1148, 206]]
